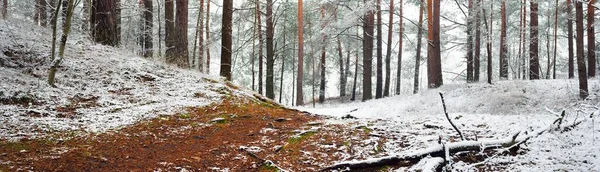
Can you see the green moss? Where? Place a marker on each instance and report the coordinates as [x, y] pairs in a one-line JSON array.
[[184, 116], [364, 128], [267, 167], [15, 146], [301, 137]]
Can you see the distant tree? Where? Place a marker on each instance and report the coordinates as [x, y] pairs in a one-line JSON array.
[[488, 43], [555, 39], [260, 49], [343, 71], [104, 20], [299, 79], [199, 38], [477, 53], [534, 62], [181, 58], [400, 49], [591, 38], [4, 9], [170, 31], [254, 31], [388, 54], [379, 82], [418, 51], [63, 42], [270, 84], [207, 36], [368, 30], [581, 71], [570, 39], [40, 13], [434, 65], [147, 20], [226, 39], [87, 6], [323, 60], [470, 47], [503, 43]]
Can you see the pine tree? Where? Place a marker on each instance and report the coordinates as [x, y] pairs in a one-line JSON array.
[[226, 39]]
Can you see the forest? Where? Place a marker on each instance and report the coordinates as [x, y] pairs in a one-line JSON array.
[[299, 85]]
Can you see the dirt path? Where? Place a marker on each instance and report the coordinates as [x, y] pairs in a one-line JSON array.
[[211, 138]]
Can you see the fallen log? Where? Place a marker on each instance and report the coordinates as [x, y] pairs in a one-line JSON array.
[[428, 165]]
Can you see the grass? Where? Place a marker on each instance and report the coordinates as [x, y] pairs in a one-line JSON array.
[[301, 137]]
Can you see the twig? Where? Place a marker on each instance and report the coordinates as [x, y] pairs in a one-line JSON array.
[[448, 117], [263, 161]]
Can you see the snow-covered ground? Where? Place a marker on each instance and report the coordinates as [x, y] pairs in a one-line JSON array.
[[98, 88], [484, 111]]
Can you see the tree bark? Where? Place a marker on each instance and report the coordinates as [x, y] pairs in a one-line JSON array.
[[581, 68], [368, 32], [400, 49], [254, 30], [104, 20], [270, 84], [226, 39], [534, 62], [470, 47], [570, 39], [260, 50], [148, 24], [555, 39], [503, 43], [199, 39], [489, 43], [63, 42], [591, 38], [299, 79], [418, 51], [379, 84], [4, 9], [434, 66], [170, 31], [388, 54], [477, 55], [181, 44], [207, 37]]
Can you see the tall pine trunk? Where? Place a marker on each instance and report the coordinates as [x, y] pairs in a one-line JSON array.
[[591, 38], [323, 56], [400, 50], [148, 24], [207, 37], [379, 82], [300, 25], [270, 84], [418, 51], [534, 62], [226, 39], [105, 22], [570, 39], [260, 50], [470, 47], [503, 43], [170, 31], [199, 39], [581, 71], [181, 28], [368, 31], [477, 55], [388, 54], [434, 66]]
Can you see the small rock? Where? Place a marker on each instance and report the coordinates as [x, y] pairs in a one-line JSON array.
[[216, 120]]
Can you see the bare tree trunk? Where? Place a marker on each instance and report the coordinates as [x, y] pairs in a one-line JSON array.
[[591, 38], [63, 42], [570, 39], [521, 40], [470, 47], [489, 43], [282, 65], [260, 50], [368, 32], [323, 55], [434, 66], [170, 31], [477, 56], [4, 9], [226, 39], [581, 68], [534, 63], [555, 39], [148, 24], [207, 37], [270, 84], [379, 82], [181, 44], [299, 92], [418, 51], [355, 77], [104, 22], [343, 72], [388, 54], [199, 38], [400, 49], [86, 15], [503, 43], [254, 30]]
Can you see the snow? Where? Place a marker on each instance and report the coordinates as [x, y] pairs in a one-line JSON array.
[[486, 112], [110, 88]]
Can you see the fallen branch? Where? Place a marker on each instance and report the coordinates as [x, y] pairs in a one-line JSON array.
[[448, 117], [429, 164], [262, 161]]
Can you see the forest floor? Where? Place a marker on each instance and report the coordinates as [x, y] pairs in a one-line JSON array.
[[114, 111]]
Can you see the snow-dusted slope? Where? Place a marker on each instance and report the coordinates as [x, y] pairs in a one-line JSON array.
[[483, 111], [98, 87]]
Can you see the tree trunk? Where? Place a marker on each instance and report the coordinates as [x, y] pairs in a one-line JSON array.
[[343, 72], [104, 20], [40, 13], [418, 51], [379, 84], [503, 43], [368, 31], [470, 47], [207, 37], [534, 62], [434, 66], [591, 38], [63, 42], [254, 30], [181, 28], [570, 39], [226, 39], [581, 68], [400, 49], [555, 40], [520, 72], [86, 15], [477, 56], [199, 39], [282, 64], [170, 31], [270, 84], [323, 56], [299, 92], [54, 23], [4, 9], [260, 50], [489, 43], [355, 76], [388, 54], [148, 23]]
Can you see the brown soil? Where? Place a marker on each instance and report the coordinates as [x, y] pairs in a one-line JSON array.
[[203, 139]]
